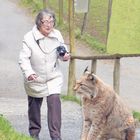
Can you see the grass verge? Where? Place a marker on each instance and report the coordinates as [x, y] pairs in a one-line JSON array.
[[136, 115], [71, 98], [124, 27], [91, 41], [8, 133]]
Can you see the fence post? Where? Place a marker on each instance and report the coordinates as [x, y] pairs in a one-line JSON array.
[[116, 75], [60, 12], [71, 78], [108, 19], [44, 4], [93, 66]]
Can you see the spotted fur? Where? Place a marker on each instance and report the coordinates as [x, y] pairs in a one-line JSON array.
[[105, 116]]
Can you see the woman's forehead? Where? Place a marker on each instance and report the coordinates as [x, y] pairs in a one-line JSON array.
[[48, 17]]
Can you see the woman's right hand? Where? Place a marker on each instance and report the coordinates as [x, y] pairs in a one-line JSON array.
[[32, 77]]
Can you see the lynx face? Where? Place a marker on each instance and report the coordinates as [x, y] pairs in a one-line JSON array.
[[86, 86]]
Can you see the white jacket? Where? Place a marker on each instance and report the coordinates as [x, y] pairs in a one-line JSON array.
[[41, 60]]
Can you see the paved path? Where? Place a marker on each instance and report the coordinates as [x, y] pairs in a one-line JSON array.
[[14, 23]]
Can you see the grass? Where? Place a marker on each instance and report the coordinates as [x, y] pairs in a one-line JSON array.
[[124, 36], [136, 115], [8, 133], [71, 98], [91, 41]]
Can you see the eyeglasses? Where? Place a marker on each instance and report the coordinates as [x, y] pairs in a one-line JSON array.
[[46, 22]]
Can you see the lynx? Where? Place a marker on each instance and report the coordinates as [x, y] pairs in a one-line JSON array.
[[105, 116]]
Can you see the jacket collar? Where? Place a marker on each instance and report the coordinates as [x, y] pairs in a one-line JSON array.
[[39, 36]]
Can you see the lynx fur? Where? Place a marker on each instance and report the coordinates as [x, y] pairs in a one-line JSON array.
[[105, 116]]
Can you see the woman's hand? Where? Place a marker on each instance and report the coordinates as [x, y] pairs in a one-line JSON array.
[[66, 57], [32, 77]]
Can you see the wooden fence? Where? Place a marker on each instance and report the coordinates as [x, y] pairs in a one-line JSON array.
[[116, 72]]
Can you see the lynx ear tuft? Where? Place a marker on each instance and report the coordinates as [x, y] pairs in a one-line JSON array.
[[86, 69]]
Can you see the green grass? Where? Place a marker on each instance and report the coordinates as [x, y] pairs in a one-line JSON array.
[[124, 36], [136, 115], [91, 41], [71, 98], [8, 133]]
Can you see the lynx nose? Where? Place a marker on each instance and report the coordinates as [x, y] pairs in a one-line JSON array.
[[76, 86]]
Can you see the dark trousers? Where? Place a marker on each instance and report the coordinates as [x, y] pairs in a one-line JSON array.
[[54, 115]]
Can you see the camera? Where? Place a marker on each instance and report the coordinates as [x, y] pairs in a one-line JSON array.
[[61, 51]]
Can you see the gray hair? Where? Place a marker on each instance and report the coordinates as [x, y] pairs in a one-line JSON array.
[[41, 14]]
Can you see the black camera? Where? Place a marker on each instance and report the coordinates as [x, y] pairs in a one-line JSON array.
[[61, 51]]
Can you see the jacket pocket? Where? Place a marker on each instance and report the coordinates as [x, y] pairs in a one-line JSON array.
[[36, 86], [37, 80]]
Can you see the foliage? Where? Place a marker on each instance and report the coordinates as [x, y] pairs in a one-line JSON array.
[[34, 5], [8, 133]]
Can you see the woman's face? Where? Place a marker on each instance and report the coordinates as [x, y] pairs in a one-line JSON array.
[[47, 24]]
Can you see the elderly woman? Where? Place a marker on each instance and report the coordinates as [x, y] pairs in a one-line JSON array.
[[39, 63]]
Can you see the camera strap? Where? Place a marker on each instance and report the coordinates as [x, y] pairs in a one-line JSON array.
[[37, 42]]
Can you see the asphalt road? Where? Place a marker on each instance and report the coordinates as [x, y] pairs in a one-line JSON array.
[[14, 23]]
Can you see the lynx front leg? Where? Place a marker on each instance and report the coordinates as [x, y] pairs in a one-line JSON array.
[[85, 130], [93, 133], [130, 134], [95, 130]]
